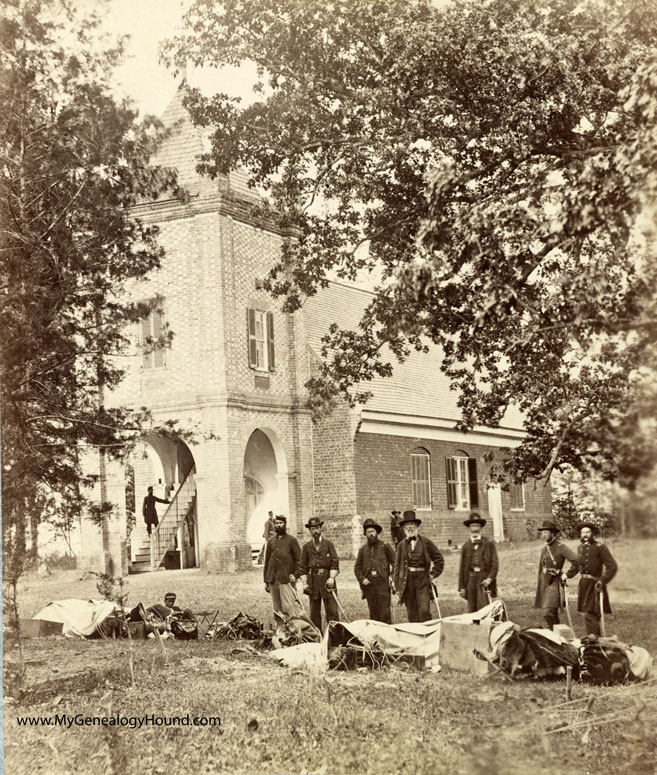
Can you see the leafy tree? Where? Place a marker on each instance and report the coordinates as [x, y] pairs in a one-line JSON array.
[[73, 161], [494, 162]]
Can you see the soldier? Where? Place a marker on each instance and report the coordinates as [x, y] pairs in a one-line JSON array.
[[417, 563], [550, 573], [373, 569], [478, 568], [281, 559], [396, 530], [598, 568], [318, 569], [150, 511]]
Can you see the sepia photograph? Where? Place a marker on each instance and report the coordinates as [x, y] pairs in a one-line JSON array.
[[328, 387]]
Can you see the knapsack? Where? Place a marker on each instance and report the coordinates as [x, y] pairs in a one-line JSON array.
[[602, 661]]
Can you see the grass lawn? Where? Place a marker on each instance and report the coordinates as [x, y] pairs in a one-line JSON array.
[[277, 720]]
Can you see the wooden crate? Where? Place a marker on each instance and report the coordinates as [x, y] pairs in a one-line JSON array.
[[458, 643]]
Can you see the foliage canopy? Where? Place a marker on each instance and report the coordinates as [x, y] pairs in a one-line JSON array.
[[73, 162], [494, 164]]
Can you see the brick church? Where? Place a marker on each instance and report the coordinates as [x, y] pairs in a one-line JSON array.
[[234, 374]]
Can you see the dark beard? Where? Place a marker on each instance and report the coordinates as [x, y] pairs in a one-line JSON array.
[[280, 531], [372, 540]]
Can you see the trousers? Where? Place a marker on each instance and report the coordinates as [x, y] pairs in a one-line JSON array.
[[417, 597], [330, 607], [551, 617], [592, 623], [377, 595], [283, 600]]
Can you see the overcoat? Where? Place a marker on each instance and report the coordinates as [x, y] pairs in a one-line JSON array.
[[379, 557], [553, 557], [487, 562], [316, 564], [281, 559], [434, 562], [595, 560]]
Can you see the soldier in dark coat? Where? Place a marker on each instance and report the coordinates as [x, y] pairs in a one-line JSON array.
[[373, 569], [396, 530], [281, 560], [478, 568], [549, 595], [150, 511], [417, 563], [598, 568], [318, 569]]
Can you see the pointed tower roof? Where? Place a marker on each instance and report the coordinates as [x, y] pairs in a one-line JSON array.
[[183, 148]]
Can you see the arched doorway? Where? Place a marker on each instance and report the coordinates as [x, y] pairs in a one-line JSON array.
[[166, 465], [265, 483]]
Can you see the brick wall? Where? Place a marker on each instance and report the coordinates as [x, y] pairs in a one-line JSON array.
[[383, 481], [208, 279]]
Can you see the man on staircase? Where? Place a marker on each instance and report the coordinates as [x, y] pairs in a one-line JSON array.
[[149, 511]]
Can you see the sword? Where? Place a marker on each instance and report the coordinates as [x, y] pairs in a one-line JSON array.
[[602, 615], [296, 597], [565, 597], [435, 599], [344, 615]]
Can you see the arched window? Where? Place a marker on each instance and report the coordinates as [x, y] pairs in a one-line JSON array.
[[462, 486], [421, 478]]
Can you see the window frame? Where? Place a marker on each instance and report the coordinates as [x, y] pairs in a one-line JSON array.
[[521, 485], [260, 346], [462, 482], [151, 353], [424, 484]]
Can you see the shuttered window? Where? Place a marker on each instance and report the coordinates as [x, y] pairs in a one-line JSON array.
[[462, 486], [517, 492], [152, 328], [260, 338], [421, 479]]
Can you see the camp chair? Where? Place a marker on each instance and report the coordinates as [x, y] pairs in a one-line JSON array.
[[205, 619]]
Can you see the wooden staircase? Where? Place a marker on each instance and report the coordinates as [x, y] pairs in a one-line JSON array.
[[151, 552]]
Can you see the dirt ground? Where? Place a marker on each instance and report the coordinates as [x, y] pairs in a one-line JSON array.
[[276, 720]]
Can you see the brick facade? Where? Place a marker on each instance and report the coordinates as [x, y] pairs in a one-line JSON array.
[[216, 254], [383, 481]]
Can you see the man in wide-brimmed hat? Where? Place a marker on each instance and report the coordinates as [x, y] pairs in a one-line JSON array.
[[373, 569], [396, 530], [417, 563], [550, 573], [281, 559], [318, 569], [478, 567], [598, 568]]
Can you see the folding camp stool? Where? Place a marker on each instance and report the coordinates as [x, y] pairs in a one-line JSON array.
[[205, 619]]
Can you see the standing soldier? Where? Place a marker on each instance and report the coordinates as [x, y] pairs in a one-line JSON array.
[[267, 533], [281, 560], [417, 563], [318, 570], [550, 573], [598, 568], [396, 530], [150, 511], [373, 569], [478, 568]]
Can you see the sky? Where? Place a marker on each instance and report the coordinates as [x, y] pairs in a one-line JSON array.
[[142, 78]]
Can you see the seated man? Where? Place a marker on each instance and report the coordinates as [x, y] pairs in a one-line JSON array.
[[170, 609]]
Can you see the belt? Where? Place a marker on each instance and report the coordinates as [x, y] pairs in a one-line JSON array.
[[588, 576], [551, 571], [476, 569], [417, 570], [319, 570]]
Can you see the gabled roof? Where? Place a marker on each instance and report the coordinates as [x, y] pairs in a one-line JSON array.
[[417, 387]]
